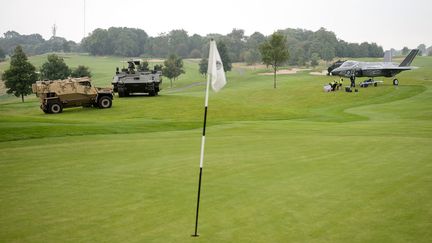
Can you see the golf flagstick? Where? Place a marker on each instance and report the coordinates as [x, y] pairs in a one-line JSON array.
[[202, 155], [215, 75]]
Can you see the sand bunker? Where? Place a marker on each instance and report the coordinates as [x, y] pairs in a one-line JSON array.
[[322, 73], [287, 71], [154, 60]]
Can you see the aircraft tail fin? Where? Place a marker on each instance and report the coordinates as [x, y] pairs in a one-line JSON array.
[[388, 56], [408, 59]]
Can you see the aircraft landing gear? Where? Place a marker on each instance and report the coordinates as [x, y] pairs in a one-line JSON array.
[[395, 82]]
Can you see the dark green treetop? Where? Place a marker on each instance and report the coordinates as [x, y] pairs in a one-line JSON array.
[[203, 66], [54, 68], [173, 67], [224, 55], [81, 71], [20, 75]]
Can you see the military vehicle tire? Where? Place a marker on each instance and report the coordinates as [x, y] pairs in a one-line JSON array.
[[395, 82], [152, 93], [121, 92], [55, 107], [105, 102]]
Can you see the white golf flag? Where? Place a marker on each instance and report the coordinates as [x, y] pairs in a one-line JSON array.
[[215, 68]]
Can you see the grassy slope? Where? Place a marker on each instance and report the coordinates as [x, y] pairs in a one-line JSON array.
[[292, 164]]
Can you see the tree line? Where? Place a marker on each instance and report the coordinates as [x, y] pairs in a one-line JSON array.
[[304, 45], [35, 44]]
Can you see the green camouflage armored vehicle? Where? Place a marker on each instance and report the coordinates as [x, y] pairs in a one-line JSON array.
[[58, 94], [137, 79]]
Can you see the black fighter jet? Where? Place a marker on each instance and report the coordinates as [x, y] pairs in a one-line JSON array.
[[353, 69]]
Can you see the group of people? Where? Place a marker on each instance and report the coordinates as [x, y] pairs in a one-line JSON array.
[[335, 85]]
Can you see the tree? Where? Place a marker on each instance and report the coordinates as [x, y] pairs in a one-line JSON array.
[[375, 50], [314, 59], [158, 67], [251, 57], [236, 44], [328, 54], [203, 66], [178, 41], [20, 75], [223, 53], [405, 50], [97, 42], [66, 47], [252, 54], [196, 42], [159, 46], [2, 55], [126, 41], [195, 53], [364, 49], [274, 52], [54, 68], [422, 48], [144, 66], [81, 71], [297, 55], [173, 67]]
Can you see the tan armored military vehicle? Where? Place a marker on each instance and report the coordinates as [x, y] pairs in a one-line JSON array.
[[58, 94]]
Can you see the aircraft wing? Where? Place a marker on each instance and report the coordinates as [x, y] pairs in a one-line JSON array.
[[390, 68]]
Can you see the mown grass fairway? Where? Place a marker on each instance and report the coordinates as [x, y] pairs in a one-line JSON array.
[[287, 165]]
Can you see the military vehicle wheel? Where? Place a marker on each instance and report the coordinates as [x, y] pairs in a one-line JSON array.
[[152, 93], [44, 109], [105, 102], [55, 107], [395, 82], [121, 93]]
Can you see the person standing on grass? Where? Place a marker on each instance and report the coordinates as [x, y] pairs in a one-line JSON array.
[[352, 81]]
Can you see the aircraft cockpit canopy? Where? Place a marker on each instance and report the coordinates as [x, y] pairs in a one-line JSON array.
[[348, 64]]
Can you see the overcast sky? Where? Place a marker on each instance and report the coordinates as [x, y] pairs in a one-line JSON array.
[[390, 23]]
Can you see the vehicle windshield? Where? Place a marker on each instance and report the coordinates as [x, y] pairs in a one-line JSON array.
[[85, 83]]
